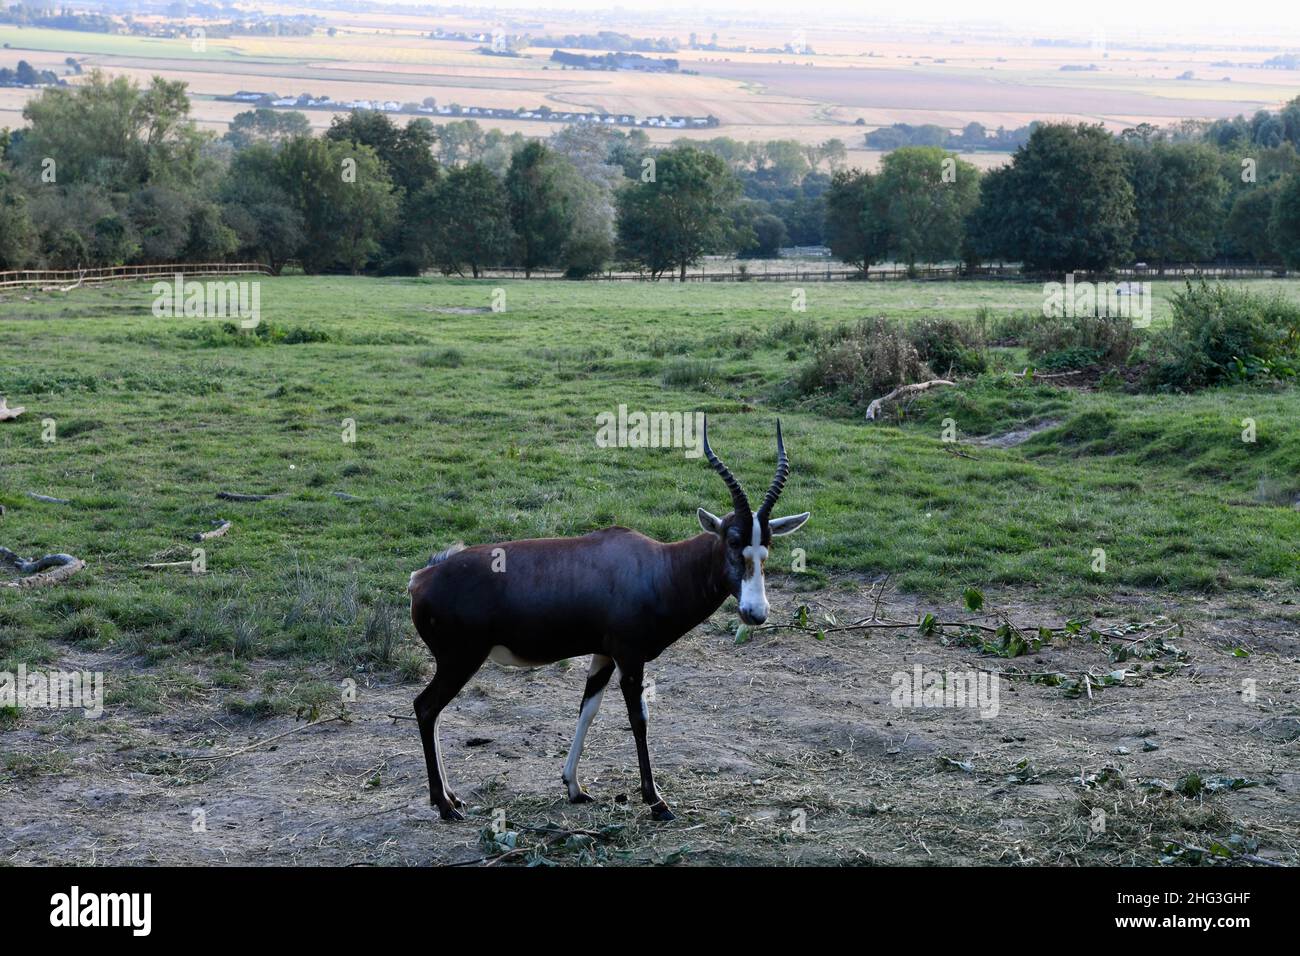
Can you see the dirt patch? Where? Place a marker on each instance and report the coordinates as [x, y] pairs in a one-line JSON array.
[[782, 750], [1017, 436], [1091, 378]]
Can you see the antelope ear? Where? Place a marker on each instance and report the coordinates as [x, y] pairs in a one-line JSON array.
[[709, 521], [787, 525]]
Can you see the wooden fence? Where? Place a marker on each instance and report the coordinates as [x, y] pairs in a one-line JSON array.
[[71, 278], [897, 272]]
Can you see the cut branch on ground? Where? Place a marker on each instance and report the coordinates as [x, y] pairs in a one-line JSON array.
[[50, 569], [221, 527], [903, 391], [237, 496]]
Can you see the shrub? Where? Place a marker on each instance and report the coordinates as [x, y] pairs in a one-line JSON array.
[[689, 373], [1009, 329], [447, 358], [1222, 334], [949, 346], [1081, 340], [867, 361], [299, 335], [212, 335]]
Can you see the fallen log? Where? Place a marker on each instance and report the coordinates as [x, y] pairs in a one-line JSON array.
[[1035, 375], [875, 408], [50, 569], [7, 413], [235, 496], [222, 526], [48, 500], [66, 288]]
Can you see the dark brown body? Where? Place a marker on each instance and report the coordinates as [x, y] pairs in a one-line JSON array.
[[614, 594]]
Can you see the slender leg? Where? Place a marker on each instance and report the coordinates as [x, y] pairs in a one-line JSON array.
[[597, 677], [630, 683], [451, 676]]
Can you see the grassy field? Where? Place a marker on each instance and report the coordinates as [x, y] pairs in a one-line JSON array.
[[477, 425], [481, 426]]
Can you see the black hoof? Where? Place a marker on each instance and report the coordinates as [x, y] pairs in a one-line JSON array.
[[456, 801], [450, 813], [582, 797], [660, 813]]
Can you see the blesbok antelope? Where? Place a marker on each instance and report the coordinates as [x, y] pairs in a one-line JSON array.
[[614, 594]]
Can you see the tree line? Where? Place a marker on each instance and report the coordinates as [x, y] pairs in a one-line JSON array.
[[107, 172]]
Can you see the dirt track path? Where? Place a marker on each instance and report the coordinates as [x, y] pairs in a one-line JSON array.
[[749, 741]]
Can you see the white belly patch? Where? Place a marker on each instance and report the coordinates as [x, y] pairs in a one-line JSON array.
[[501, 654]]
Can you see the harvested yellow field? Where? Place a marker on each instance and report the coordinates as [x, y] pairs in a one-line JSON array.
[[858, 77]]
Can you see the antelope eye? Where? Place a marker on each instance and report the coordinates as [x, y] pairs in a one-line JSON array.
[[733, 537]]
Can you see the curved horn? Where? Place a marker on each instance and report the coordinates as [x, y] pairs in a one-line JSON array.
[[782, 472], [738, 498]]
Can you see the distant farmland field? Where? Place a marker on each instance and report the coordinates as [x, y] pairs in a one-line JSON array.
[[756, 96], [966, 92]]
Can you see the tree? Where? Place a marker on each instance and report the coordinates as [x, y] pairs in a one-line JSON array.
[[589, 203], [769, 236], [539, 213], [406, 152], [588, 181], [1285, 221], [210, 239], [112, 241], [1178, 200], [17, 234], [990, 231], [112, 133], [782, 162], [498, 149], [803, 215], [1242, 231], [926, 195], [832, 152], [855, 226], [66, 220], [683, 213], [460, 141], [1242, 236], [161, 217], [1290, 117], [266, 126], [630, 152], [267, 224], [588, 147], [345, 197], [1066, 202], [465, 220]]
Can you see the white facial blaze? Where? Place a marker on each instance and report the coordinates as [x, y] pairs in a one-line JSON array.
[[753, 594]]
